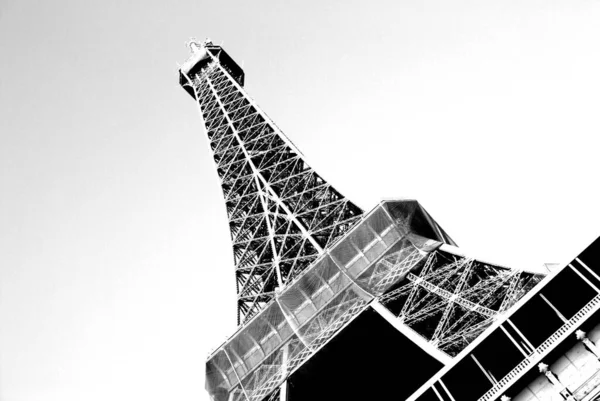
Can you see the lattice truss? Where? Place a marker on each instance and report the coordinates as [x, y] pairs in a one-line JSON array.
[[281, 213], [450, 299], [447, 299]]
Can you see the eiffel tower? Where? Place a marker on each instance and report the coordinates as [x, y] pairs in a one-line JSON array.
[[311, 266]]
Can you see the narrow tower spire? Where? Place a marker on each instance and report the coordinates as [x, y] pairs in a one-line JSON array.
[[282, 214]]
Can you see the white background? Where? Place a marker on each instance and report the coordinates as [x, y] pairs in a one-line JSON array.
[[116, 274]]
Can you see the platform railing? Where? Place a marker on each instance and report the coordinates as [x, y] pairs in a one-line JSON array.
[[542, 350]]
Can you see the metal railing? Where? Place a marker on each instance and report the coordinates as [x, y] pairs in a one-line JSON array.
[[543, 349]]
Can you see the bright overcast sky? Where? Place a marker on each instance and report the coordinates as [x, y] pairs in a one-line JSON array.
[[116, 273]]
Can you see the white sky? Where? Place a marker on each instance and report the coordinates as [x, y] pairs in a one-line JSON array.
[[116, 274]]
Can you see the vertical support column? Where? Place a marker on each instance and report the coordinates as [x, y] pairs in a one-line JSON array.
[[283, 391], [487, 374], [514, 341], [525, 340], [439, 396], [560, 315], [284, 364], [580, 334], [562, 390], [583, 277], [446, 390]]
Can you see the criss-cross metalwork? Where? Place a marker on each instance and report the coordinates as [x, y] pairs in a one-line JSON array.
[[282, 214], [450, 300]]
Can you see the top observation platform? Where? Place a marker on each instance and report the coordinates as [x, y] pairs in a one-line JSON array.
[[202, 54]]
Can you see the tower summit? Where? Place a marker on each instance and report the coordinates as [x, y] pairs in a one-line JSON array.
[[282, 214]]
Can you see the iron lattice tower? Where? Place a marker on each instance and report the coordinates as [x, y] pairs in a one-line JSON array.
[[282, 214], [308, 261]]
